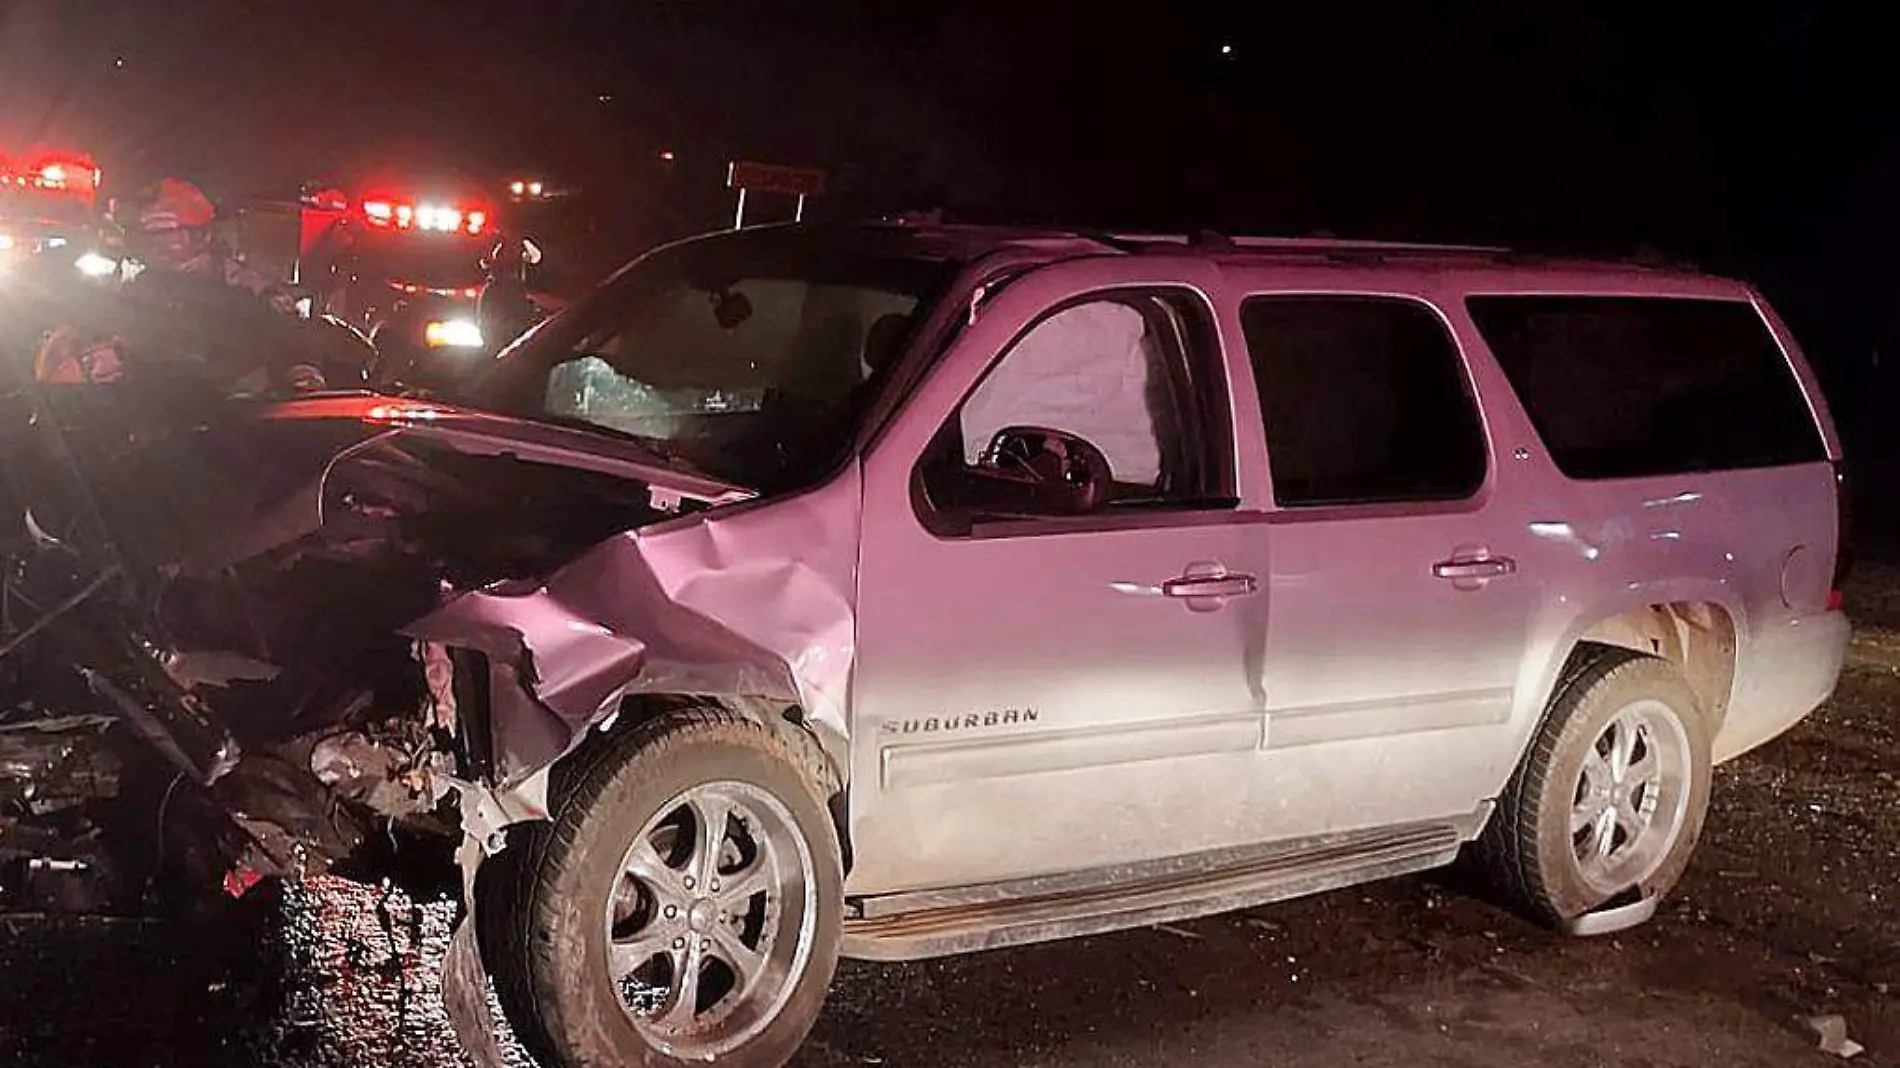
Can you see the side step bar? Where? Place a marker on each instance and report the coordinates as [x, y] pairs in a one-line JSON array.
[[1039, 910]]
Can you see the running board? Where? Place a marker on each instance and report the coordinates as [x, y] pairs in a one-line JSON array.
[[935, 924]]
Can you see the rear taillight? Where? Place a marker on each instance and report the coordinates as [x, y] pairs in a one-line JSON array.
[[1843, 537]]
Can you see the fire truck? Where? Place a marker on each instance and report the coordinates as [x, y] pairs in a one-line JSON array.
[[407, 263], [49, 204]]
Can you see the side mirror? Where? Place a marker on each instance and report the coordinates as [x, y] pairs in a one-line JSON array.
[[1032, 470], [530, 253]]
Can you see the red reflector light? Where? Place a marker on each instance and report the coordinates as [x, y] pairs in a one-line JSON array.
[[400, 414], [1844, 525], [1836, 600]]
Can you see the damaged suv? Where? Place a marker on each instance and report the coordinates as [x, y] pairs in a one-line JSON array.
[[896, 591]]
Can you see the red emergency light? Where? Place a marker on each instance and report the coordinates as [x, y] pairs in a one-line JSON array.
[[434, 218], [54, 173]]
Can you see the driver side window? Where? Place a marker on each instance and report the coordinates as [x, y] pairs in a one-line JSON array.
[[1134, 374]]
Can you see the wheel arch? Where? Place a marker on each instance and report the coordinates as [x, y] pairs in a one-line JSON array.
[[1698, 637], [1698, 627], [784, 718]]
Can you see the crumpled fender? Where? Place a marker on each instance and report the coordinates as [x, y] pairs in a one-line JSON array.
[[754, 600]]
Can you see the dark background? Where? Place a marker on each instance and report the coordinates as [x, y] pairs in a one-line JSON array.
[[1753, 137]]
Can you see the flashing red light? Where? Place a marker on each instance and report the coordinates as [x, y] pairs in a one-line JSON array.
[[436, 218], [54, 173]]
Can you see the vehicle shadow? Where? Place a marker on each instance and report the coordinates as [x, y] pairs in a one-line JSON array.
[[1206, 991]]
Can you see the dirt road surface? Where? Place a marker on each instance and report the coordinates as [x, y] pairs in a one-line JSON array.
[[1792, 909]]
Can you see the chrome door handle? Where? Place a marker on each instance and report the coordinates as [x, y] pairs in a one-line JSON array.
[[1228, 585], [1486, 568]]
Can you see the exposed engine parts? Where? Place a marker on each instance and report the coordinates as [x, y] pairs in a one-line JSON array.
[[218, 596]]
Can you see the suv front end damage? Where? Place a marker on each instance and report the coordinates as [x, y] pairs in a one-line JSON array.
[[388, 623], [709, 608]]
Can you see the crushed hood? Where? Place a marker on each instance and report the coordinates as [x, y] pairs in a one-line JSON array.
[[753, 602], [579, 569], [694, 588]]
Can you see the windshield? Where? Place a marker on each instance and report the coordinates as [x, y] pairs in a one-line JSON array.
[[748, 358]]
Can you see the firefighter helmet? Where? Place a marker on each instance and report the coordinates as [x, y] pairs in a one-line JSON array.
[[176, 205]]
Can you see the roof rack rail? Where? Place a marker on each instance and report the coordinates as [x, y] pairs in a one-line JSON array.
[[1212, 239], [1642, 256], [1119, 242]]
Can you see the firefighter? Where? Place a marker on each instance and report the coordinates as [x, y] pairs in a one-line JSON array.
[[506, 309], [175, 228], [195, 299]]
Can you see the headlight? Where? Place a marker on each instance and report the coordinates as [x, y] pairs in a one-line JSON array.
[[93, 265], [7, 243], [452, 333]]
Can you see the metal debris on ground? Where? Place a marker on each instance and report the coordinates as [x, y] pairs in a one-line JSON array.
[[1832, 1032]]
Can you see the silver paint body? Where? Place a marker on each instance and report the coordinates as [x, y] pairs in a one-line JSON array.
[[1354, 690]]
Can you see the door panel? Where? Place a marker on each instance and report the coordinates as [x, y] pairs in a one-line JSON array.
[[1398, 616], [1036, 704], [1048, 695], [1396, 675]]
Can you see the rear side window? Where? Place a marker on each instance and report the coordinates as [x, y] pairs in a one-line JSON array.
[[1365, 401], [1623, 387]]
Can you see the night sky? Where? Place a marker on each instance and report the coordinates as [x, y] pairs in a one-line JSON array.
[[1757, 137]]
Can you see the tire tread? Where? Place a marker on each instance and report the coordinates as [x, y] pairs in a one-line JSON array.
[[1506, 852]]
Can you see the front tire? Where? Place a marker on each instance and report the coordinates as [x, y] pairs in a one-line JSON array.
[[1609, 801], [684, 904]]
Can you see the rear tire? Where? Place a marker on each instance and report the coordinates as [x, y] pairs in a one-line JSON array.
[[695, 846], [1610, 799]]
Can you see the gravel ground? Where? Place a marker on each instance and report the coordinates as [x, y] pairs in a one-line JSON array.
[[1791, 909]]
